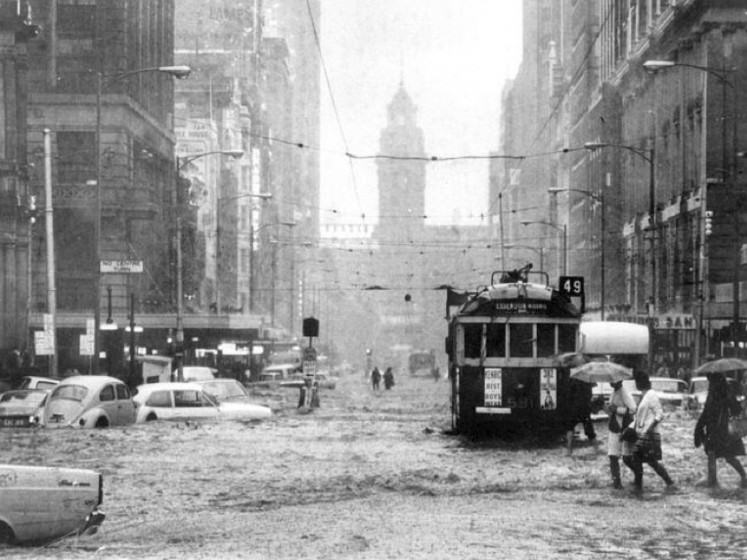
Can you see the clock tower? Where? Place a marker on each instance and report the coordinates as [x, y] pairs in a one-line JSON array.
[[401, 173]]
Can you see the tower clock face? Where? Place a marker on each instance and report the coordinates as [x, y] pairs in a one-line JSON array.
[[400, 120]]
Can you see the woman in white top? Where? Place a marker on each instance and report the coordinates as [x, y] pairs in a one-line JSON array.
[[621, 409], [648, 445]]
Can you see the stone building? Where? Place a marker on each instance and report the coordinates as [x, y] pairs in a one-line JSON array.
[[642, 114], [123, 44], [17, 214]]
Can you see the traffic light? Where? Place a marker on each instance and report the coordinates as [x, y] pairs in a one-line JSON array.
[[708, 222]]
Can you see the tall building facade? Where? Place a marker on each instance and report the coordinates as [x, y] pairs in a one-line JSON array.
[[648, 120], [17, 213], [123, 43], [255, 91]]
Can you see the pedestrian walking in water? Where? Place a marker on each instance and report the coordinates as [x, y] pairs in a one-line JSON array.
[[712, 429], [388, 378], [621, 410], [647, 447], [375, 378], [579, 412]]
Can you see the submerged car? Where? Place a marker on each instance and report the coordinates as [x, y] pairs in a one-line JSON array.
[[698, 393], [225, 390], [21, 408], [37, 382], [672, 392], [39, 504], [195, 373], [89, 401], [184, 401]]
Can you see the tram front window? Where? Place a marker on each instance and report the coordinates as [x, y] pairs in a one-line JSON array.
[[567, 338], [545, 340], [472, 340], [521, 340], [496, 340]]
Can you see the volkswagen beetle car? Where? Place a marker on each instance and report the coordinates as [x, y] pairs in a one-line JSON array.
[[183, 401], [89, 401], [21, 408], [39, 504]]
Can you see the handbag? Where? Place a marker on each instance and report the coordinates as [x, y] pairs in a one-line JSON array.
[[629, 434], [614, 425], [738, 426]]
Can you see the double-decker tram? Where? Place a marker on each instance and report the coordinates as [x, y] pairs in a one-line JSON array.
[[504, 345]]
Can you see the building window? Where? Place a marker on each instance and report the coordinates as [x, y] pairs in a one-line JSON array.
[[76, 153]]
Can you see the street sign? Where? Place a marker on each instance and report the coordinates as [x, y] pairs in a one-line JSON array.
[[86, 345], [42, 346], [309, 368], [309, 354], [122, 267]]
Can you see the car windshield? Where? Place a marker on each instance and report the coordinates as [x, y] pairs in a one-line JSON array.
[[31, 397], [225, 390], [70, 392]]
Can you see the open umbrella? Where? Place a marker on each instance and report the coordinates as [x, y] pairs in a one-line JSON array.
[[722, 365], [571, 359], [597, 372]]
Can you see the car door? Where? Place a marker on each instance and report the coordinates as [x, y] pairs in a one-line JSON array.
[[126, 410], [108, 402], [192, 403]]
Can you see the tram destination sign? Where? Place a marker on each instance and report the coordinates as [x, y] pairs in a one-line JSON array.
[[521, 307], [122, 267]]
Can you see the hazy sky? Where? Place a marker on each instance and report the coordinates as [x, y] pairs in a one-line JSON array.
[[454, 57]]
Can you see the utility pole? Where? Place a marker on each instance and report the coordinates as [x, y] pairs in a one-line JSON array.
[[49, 229]]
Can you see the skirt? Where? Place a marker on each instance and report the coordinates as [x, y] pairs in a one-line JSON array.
[[648, 447]]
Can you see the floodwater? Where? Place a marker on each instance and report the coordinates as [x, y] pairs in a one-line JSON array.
[[375, 476]]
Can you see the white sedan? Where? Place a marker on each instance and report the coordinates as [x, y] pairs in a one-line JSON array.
[[183, 401]]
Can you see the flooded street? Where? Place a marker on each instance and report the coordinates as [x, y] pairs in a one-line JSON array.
[[375, 476]]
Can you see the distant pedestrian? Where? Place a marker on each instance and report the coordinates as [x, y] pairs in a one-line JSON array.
[[712, 429], [621, 410], [647, 447], [579, 412], [388, 378], [375, 378]]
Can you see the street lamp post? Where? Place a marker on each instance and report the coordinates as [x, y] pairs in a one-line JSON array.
[[563, 230], [175, 71], [728, 167], [180, 163]]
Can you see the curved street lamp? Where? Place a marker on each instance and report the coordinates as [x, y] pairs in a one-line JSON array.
[[102, 80]]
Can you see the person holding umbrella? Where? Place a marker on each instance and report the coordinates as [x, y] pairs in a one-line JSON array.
[[712, 429], [621, 409]]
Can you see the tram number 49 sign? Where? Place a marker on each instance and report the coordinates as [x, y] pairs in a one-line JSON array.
[[572, 286]]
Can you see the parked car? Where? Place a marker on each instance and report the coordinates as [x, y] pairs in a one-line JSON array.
[[673, 392], [36, 382], [21, 408], [182, 401], [277, 372], [225, 390], [195, 373], [697, 393], [89, 401], [39, 504]]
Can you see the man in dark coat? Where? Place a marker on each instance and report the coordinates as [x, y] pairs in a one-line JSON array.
[[579, 412]]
